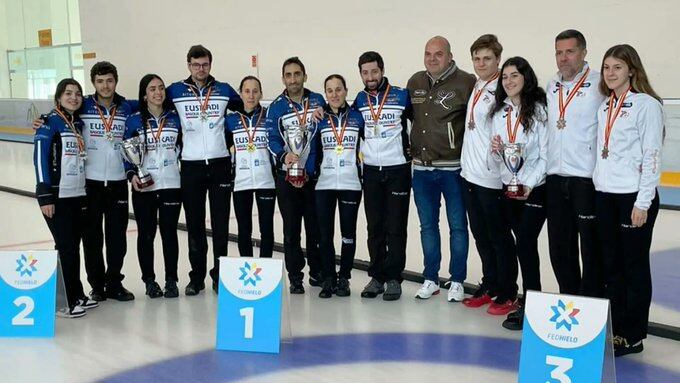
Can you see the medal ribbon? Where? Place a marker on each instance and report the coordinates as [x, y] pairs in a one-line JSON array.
[[338, 137], [563, 105], [203, 105], [251, 137], [512, 132], [611, 118], [478, 95], [70, 124], [302, 119], [376, 116], [157, 135], [108, 124]]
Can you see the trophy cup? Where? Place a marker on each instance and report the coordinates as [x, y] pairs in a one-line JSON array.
[[512, 157], [298, 142], [133, 150]]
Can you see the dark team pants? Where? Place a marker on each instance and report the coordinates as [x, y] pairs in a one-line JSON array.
[[570, 204], [626, 262], [106, 202], [493, 239], [387, 194], [348, 206], [526, 219], [155, 209], [294, 205], [243, 208], [197, 179], [67, 226]]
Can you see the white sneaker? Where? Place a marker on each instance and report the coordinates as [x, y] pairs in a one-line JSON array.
[[456, 292], [428, 289], [72, 312]]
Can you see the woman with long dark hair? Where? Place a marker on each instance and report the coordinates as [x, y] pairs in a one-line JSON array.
[[519, 117], [156, 205], [59, 157], [339, 182], [253, 170], [627, 172]]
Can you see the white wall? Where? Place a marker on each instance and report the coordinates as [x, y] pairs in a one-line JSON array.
[[154, 35]]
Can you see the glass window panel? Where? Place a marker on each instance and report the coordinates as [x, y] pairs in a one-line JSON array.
[[77, 56], [46, 67]]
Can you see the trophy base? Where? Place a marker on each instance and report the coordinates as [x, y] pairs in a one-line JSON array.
[[145, 181], [296, 175], [514, 191]]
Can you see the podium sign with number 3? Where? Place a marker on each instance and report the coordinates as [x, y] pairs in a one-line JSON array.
[[249, 304], [566, 339], [28, 281]]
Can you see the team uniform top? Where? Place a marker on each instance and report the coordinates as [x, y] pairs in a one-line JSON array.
[[534, 144], [59, 167], [202, 112], [163, 141], [103, 130], [284, 114], [474, 161], [386, 141], [571, 149], [338, 165], [252, 160], [633, 155]]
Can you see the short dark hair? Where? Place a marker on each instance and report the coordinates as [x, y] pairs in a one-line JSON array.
[[102, 68], [369, 57], [240, 87], [336, 76], [198, 51], [572, 34], [293, 60], [488, 41]]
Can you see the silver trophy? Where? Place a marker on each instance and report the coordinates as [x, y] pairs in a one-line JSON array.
[[134, 150], [512, 157], [298, 142]]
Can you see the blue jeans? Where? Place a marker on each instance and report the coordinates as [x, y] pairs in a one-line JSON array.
[[428, 186]]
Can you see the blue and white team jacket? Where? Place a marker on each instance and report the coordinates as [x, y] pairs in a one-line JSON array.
[[386, 142], [253, 168], [204, 139], [339, 169], [59, 169], [104, 160], [161, 159], [281, 116]]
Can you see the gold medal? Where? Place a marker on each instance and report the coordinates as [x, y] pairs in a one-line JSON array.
[[251, 147], [339, 149]]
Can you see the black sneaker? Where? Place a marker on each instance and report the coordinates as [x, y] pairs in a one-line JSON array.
[[120, 294], [342, 290], [193, 288], [622, 347], [71, 312], [171, 290], [515, 320], [87, 303], [153, 290], [98, 295], [392, 290], [315, 280], [327, 288], [373, 289], [296, 287]]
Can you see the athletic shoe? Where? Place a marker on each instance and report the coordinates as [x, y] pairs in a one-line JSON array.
[[87, 303], [515, 320], [119, 294], [193, 288], [153, 290], [373, 289], [428, 289], [392, 290], [480, 298], [171, 290], [456, 292], [342, 290], [98, 295], [327, 288], [315, 280], [71, 312], [622, 347], [502, 307], [296, 287]]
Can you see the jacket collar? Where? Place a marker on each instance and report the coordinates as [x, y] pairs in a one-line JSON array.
[[446, 73], [253, 112], [305, 94], [341, 112], [189, 81], [117, 99]]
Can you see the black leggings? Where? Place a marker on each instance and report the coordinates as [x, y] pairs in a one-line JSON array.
[[243, 208], [348, 205], [526, 219], [157, 209], [67, 226]]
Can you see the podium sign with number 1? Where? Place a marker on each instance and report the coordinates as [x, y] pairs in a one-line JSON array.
[[28, 281], [249, 304]]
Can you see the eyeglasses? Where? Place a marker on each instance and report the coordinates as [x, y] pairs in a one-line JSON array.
[[199, 65]]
